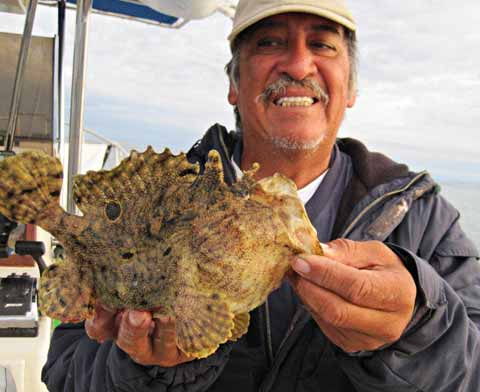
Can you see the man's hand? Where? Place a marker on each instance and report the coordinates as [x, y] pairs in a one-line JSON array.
[[359, 293], [148, 341], [146, 346], [104, 324]]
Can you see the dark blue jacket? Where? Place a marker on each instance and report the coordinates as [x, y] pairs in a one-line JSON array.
[[439, 351]]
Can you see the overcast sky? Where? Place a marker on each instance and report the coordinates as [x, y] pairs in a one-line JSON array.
[[419, 89]]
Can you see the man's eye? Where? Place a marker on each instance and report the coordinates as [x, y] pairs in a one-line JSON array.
[[322, 45], [269, 43]]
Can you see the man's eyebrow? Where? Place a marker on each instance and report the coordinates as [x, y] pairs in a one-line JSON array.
[[268, 23], [326, 27], [264, 24]]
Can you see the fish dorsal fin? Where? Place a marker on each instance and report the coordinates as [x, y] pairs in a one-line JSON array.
[[108, 192]]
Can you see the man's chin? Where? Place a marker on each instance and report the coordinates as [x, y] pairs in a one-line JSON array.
[[292, 143]]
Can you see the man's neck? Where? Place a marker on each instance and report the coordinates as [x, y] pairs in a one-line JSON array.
[[302, 166]]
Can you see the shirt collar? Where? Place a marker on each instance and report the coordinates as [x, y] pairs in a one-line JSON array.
[[304, 194]]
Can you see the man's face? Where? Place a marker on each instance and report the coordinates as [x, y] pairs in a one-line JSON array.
[[301, 47]]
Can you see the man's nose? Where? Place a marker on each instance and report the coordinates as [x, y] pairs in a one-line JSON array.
[[298, 61]]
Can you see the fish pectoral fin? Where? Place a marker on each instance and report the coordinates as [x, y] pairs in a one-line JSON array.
[[204, 321], [66, 292]]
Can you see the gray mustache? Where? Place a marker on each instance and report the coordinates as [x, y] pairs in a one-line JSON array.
[[280, 87]]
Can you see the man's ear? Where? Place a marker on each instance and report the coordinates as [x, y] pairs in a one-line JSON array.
[[232, 94]]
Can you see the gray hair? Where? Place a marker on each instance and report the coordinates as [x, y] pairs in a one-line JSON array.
[[232, 68]]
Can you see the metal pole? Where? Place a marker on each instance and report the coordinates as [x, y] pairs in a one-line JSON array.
[[60, 82], [78, 97], [21, 65]]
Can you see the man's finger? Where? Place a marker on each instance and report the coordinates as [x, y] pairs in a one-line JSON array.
[[164, 337], [359, 254], [347, 252], [348, 340], [374, 289], [102, 326], [165, 342], [335, 311], [133, 335]]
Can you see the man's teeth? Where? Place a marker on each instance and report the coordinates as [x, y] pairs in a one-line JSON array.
[[294, 101]]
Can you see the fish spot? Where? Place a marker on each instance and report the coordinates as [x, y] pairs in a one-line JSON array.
[[113, 210], [167, 251], [127, 255], [185, 172]]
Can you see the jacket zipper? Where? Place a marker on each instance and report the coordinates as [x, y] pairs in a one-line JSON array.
[[379, 200], [268, 331]]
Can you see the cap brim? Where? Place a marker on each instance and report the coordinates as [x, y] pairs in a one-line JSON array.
[[265, 13]]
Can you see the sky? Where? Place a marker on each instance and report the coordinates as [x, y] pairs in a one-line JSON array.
[[419, 81]]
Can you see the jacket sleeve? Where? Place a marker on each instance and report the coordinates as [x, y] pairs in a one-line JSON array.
[[76, 363], [440, 349]]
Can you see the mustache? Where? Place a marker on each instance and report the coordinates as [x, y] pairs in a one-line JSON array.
[[280, 87]]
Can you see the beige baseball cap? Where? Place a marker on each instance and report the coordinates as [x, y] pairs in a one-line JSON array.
[[251, 11]]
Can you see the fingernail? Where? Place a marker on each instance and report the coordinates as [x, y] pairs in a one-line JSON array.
[[301, 266], [136, 318]]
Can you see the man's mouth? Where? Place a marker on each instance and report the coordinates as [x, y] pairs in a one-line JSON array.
[[295, 101]]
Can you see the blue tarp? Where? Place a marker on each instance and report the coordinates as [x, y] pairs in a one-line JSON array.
[[130, 9]]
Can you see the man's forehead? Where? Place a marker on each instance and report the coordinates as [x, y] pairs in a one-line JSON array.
[[314, 21]]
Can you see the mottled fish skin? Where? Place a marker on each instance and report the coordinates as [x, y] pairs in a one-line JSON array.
[[156, 234]]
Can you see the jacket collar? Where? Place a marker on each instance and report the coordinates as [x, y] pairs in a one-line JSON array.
[[374, 173]]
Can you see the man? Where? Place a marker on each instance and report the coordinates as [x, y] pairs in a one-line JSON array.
[[393, 305]]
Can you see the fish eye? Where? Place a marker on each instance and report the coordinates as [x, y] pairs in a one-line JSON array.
[[113, 210]]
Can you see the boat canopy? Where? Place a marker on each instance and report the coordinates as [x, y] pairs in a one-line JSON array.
[[131, 9], [163, 12], [167, 13]]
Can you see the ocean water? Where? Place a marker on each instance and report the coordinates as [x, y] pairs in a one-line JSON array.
[[465, 197]]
